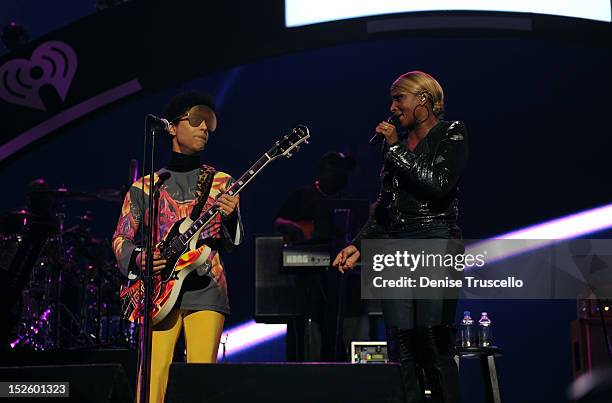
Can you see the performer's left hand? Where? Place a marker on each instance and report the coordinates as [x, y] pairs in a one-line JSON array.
[[388, 130], [227, 204]]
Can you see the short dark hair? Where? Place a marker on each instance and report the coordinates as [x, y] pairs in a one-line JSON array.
[[181, 103]]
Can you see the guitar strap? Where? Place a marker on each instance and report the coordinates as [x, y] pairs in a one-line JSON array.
[[202, 190]]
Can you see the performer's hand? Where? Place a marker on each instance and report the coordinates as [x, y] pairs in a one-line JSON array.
[[389, 131], [227, 204], [347, 258], [158, 261]]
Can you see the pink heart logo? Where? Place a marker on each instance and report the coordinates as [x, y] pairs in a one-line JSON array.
[[53, 63]]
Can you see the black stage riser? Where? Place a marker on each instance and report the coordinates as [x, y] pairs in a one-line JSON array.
[[296, 383], [95, 383], [127, 358]]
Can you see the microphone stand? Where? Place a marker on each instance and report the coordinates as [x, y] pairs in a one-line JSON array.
[[147, 278]]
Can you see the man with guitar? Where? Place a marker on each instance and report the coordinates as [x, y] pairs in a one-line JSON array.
[[190, 293]]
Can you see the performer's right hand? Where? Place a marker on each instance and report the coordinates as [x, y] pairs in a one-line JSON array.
[[389, 131], [158, 261], [347, 258]]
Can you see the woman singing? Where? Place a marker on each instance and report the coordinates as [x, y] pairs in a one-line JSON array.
[[423, 160]]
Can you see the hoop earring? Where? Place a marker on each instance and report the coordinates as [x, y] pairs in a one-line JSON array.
[[418, 122]]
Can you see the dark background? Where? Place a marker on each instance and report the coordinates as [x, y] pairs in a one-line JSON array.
[[536, 110]]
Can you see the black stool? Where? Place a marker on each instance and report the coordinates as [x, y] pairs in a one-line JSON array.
[[486, 355]]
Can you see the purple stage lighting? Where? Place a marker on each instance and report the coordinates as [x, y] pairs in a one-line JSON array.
[[571, 226], [248, 335]]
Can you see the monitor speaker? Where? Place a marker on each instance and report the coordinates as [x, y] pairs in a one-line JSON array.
[[276, 296]]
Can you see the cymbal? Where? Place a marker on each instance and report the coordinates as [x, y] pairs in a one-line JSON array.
[[111, 194], [16, 213], [82, 236], [14, 216], [12, 222], [62, 193]]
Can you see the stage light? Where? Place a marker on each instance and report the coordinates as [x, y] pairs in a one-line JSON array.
[[305, 12], [248, 335], [571, 226]]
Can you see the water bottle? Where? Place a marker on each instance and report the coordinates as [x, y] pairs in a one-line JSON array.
[[485, 335], [467, 331]]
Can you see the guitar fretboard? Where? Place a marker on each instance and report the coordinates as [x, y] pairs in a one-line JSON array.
[[234, 189]]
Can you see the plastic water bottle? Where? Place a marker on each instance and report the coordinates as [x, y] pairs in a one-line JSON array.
[[485, 335], [467, 330]]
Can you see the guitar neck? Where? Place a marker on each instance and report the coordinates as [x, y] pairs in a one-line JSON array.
[[256, 168], [233, 190]]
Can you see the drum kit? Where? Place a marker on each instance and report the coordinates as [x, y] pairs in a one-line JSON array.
[[62, 285]]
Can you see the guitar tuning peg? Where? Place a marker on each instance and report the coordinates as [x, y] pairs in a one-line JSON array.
[[289, 155], [306, 142], [297, 148]]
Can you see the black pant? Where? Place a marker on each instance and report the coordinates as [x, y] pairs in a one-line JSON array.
[[419, 335], [411, 313]]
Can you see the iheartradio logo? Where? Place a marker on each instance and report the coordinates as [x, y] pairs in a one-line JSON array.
[[52, 63]]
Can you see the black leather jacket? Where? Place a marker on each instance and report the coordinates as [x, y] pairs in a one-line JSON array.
[[419, 189]]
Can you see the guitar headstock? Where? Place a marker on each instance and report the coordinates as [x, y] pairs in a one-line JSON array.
[[290, 143]]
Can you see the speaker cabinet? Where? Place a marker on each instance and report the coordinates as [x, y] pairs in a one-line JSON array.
[[276, 296]]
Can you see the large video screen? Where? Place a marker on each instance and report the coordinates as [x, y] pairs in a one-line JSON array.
[[305, 12]]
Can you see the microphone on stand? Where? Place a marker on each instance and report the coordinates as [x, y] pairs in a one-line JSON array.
[[159, 123], [377, 138]]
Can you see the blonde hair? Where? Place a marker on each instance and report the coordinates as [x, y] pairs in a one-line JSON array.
[[420, 83]]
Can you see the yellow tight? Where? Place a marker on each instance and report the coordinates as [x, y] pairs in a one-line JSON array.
[[202, 335]]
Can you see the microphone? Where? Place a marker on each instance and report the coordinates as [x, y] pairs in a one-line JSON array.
[[158, 123], [377, 138]]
